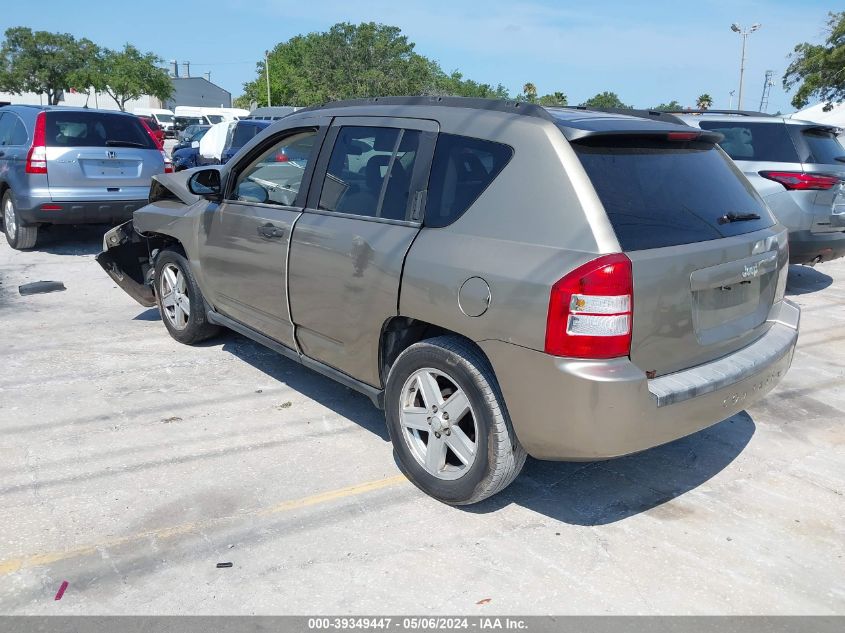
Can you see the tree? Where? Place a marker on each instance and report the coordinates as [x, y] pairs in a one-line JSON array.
[[672, 106], [819, 69], [529, 92], [704, 101], [41, 62], [354, 60], [605, 100], [554, 99], [125, 75]]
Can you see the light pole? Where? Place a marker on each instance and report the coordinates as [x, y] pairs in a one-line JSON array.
[[736, 28], [267, 75]]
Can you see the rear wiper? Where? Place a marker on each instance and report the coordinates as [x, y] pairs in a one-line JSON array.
[[738, 217], [125, 144]]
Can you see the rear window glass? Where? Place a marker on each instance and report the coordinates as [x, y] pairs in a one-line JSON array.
[[164, 118], [755, 141], [242, 134], [824, 148], [461, 170], [658, 194], [96, 129], [214, 118]]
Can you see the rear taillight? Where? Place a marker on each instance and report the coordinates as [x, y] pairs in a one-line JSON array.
[[168, 164], [36, 158], [591, 310], [801, 181]]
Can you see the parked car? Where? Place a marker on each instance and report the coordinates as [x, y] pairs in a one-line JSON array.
[[799, 169], [62, 165], [181, 123], [190, 131], [502, 278], [190, 137], [155, 131], [162, 117]]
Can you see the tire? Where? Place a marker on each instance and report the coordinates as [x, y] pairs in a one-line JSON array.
[[18, 235], [455, 364], [172, 268]]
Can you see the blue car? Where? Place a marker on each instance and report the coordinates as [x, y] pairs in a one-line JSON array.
[[238, 135]]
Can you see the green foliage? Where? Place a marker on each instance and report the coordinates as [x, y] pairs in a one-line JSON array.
[[819, 69], [605, 100], [41, 62], [351, 61], [672, 106], [529, 92], [554, 99], [127, 74], [704, 101]]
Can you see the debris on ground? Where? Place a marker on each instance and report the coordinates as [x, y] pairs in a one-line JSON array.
[[485, 601], [223, 565], [61, 590], [174, 418], [284, 405], [40, 287]]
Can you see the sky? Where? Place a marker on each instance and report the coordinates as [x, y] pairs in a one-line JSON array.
[[646, 52]]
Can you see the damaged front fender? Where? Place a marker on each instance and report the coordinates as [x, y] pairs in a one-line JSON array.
[[127, 258]]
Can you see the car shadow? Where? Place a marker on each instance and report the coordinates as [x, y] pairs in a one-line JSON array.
[[150, 314], [83, 239], [805, 279], [325, 391], [598, 493]]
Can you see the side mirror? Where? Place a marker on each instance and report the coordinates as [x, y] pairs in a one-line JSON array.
[[249, 191], [206, 183]]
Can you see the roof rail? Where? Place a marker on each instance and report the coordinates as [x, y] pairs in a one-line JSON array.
[[474, 103], [654, 115], [734, 112]]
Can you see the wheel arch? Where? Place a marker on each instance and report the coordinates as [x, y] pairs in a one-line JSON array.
[[398, 333]]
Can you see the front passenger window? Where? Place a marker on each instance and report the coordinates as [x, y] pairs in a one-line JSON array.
[[275, 176]]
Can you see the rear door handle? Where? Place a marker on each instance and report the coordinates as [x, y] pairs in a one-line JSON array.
[[271, 232]]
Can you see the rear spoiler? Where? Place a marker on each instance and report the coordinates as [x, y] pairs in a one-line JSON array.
[[668, 133]]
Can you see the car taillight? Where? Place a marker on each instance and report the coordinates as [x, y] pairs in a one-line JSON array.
[[591, 310], [168, 164], [801, 181], [36, 158]]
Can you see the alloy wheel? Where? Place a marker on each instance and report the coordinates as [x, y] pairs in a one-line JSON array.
[[174, 296]]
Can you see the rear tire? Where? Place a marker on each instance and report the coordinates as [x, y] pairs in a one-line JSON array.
[[179, 299], [18, 235], [482, 455]]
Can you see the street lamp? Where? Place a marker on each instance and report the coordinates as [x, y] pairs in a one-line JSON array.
[[744, 33], [267, 75]]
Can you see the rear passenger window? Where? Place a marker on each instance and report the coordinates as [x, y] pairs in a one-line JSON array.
[[462, 169], [824, 147], [768, 142], [369, 172]]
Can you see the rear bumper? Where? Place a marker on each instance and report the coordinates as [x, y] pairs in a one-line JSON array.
[[564, 409], [806, 247], [100, 212]]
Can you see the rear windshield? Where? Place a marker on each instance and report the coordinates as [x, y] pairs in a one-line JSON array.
[[95, 129], [164, 118], [824, 147], [214, 118], [768, 142], [662, 193]]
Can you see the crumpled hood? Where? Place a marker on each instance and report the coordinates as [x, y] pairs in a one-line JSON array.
[[177, 184]]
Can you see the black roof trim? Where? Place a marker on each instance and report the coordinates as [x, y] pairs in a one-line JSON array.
[[493, 105]]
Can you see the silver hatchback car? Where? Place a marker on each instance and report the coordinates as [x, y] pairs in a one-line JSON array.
[[798, 167], [503, 279], [71, 166]]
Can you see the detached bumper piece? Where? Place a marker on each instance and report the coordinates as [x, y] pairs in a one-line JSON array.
[[126, 259]]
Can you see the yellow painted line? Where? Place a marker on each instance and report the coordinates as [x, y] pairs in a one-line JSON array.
[[39, 560]]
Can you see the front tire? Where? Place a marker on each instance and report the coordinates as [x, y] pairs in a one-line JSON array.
[[179, 299], [448, 423], [18, 235]]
